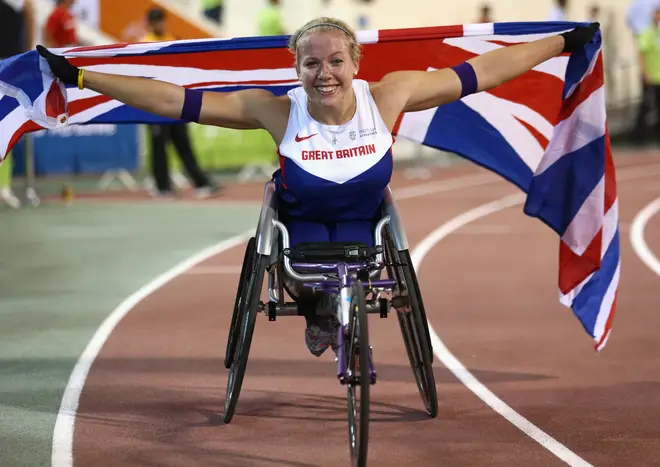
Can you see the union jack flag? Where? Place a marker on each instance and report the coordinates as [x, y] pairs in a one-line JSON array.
[[544, 131]]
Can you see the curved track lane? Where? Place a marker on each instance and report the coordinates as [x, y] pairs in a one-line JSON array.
[[154, 395]]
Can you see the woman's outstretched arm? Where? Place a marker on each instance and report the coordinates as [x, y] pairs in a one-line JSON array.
[[420, 90], [239, 109]]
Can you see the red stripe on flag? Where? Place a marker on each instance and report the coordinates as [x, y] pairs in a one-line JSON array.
[[397, 124], [608, 324], [27, 127], [233, 60], [405, 34], [573, 269], [97, 47], [543, 141], [586, 88], [610, 174], [55, 101], [80, 105], [243, 83], [547, 101]]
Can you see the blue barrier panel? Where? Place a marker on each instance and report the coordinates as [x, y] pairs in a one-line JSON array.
[[79, 149]]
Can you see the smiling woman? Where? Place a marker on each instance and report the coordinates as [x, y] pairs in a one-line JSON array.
[[334, 132], [331, 97]]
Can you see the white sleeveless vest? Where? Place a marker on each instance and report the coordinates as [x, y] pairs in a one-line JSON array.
[[334, 172]]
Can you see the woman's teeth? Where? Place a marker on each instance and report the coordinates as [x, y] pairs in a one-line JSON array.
[[326, 89]]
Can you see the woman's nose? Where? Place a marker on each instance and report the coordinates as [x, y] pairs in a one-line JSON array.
[[324, 71]]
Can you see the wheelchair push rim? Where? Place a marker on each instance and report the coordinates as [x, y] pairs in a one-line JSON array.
[[358, 388], [247, 320], [248, 260]]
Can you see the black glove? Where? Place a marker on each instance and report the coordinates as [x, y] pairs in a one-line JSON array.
[[579, 37], [60, 66]]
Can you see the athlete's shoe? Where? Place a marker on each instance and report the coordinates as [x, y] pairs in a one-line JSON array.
[[321, 332]]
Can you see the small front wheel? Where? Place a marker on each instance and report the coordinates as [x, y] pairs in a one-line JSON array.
[[359, 375]]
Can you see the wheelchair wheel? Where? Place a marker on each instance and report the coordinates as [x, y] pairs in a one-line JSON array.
[[250, 251], [245, 323], [414, 326], [358, 355]]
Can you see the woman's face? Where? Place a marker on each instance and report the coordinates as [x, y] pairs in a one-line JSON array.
[[325, 67]]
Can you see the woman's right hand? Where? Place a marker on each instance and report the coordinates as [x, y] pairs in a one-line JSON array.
[[60, 66]]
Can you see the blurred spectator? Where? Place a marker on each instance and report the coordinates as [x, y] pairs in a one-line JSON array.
[[177, 133], [638, 18], [648, 42], [270, 20], [17, 35], [60, 27], [485, 14], [559, 11], [213, 10], [594, 14]]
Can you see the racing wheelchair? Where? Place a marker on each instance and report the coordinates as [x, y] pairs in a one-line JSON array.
[[351, 273]]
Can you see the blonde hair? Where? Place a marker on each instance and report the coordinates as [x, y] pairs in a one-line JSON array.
[[326, 24]]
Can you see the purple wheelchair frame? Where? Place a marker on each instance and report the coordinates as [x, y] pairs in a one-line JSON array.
[[331, 277]]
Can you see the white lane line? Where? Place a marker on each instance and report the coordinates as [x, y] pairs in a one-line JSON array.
[[637, 236], [455, 366], [62, 450]]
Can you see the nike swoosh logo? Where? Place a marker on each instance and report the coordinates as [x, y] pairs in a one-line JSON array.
[[299, 139]]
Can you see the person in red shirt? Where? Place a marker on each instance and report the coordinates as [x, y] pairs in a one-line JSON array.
[[60, 27]]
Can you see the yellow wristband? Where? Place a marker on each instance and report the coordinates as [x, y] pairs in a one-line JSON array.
[[81, 74]]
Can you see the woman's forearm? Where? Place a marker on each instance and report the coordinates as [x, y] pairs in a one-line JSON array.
[[157, 97], [501, 65]]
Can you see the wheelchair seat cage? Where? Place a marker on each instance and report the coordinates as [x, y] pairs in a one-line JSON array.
[[330, 268]]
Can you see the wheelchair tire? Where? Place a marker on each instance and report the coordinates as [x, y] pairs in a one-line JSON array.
[[418, 293], [246, 321], [358, 354], [414, 328], [250, 251], [414, 325]]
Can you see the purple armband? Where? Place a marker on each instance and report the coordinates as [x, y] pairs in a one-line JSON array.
[[468, 78], [192, 105]]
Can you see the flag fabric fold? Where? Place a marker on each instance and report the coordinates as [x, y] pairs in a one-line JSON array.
[[545, 131]]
